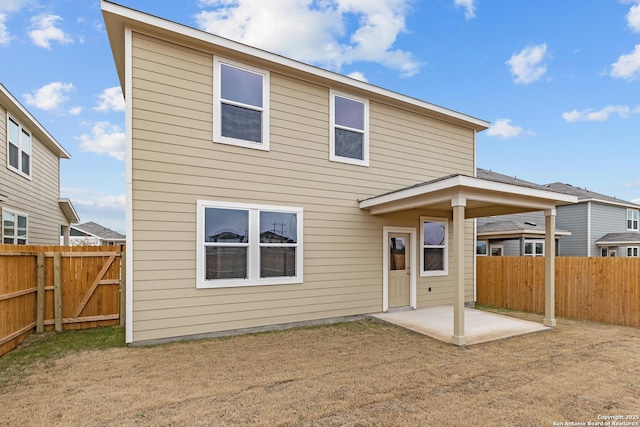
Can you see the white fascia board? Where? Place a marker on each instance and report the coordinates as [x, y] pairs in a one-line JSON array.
[[628, 243], [33, 125], [621, 203], [471, 183], [144, 18]]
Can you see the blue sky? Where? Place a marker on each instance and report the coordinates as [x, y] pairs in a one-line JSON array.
[[559, 81]]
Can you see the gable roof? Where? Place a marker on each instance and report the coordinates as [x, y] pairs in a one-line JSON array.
[[99, 231], [117, 18], [585, 195], [17, 110]]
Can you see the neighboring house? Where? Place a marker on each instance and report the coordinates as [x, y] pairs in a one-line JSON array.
[[513, 235], [92, 234], [30, 204], [600, 225], [266, 193]]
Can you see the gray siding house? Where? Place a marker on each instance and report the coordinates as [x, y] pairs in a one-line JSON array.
[[598, 225], [521, 234], [30, 204]]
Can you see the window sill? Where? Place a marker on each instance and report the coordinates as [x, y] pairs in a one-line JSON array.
[[22, 174], [242, 283], [349, 161], [434, 273]]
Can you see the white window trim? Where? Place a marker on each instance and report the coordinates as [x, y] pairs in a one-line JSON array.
[[633, 215], [15, 227], [253, 266], [534, 243], [332, 134], [217, 110], [630, 249], [431, 273], [21, 128]]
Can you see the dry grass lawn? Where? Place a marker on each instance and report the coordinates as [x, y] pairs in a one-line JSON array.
[[355, 374]]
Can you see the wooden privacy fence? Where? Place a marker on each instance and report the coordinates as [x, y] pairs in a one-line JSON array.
[[58, 287], [599, 289]]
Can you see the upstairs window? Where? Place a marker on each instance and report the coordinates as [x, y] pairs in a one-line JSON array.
[[18, 148], [14, 228], [349, 137], [433, 251], [633, 218], [241, 105]]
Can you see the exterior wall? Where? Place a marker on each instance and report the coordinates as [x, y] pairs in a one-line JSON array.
[[573, 218], [607, 219], [175, 163], [38, 197]]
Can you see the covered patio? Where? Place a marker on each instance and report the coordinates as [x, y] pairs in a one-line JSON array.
[[460, 197]]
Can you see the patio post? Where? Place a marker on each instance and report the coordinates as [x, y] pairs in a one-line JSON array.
[[549, 268], [458, 204]]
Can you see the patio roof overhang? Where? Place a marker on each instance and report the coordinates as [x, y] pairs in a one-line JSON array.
[[483, 198], [460, 197]]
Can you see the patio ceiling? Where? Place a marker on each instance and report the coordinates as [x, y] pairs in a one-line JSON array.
[[483, 198]]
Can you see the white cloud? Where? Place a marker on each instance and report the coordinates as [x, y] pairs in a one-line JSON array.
[[111, 99], [316, 31], [504, 129], [469, 7], [104, 209], [601, 115], [74, 111], [5, 37], [49, 97], [44, 31], [633, 18], [106, 139], [14, 5], [527, 65], [627, 66], [358, 76]]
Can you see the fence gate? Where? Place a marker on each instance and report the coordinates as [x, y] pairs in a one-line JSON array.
[[58, 287]]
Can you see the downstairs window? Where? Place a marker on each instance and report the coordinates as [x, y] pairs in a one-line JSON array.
[[248, 245]]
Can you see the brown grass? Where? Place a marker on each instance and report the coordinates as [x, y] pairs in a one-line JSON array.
[[355, 374]]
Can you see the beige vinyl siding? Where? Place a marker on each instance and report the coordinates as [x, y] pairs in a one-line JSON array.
[[38, 197], [175, 163]]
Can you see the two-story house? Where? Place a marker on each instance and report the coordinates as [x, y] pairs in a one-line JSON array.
[[600, 225], [266, 193], [31, 208], [597, 225]]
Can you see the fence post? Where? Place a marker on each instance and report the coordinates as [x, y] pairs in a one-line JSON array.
[[57, 290], [41, 292], [123, 284]]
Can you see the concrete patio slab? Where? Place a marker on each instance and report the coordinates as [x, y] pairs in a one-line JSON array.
[[480, 326]]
